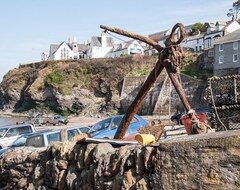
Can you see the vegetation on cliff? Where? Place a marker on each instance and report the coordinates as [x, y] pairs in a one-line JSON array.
[[70, 86], [77, 86]]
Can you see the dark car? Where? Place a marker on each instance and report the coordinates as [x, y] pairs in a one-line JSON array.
[[177, 118]]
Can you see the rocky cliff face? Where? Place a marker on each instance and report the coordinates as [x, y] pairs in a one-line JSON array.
[[210, 161], [71, 86]]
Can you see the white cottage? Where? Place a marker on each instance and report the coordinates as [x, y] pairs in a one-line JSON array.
[[126, 48], [218, 30], [99, 46], [71, 50]]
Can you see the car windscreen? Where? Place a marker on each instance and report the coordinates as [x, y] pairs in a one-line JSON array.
[[84, 129], [2, 131], [71, 133], [101, 125], [35, 141], [116, 122], [19, 141], [54, 137]]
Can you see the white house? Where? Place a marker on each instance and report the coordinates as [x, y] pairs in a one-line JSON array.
[[213, 33], [71, 50], [126, 48], [218, 30], [194, 43], [99, 46]]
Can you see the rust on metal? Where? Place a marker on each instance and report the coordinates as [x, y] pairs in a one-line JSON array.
[[170, 57]]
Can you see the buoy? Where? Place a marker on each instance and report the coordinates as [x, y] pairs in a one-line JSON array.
[[145, 138]]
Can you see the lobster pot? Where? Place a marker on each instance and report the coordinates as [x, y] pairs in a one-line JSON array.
[[226, 117], [224, 90], [223, 94]]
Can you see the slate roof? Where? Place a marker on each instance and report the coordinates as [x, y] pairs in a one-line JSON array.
[[124, 45], [234, 36], [223, 23], [54, 47], [163, 34], [198, 36], [97, 41]]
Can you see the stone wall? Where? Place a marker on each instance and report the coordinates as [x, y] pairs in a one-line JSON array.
[[210, 161], [163, 95]]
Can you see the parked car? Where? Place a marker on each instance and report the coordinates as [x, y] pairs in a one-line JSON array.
[[55, 120], [9, 134], [44, 139], [20, 141], [60, 119], [177, 117], [108, 127]]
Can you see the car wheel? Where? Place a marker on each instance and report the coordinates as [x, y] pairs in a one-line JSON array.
[[47, 123]]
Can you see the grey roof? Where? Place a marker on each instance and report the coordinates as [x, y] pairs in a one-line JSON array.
[[234, 36], [198, 36], [162, 36], [157, 36], [124, 45], [223, 23], [54, 47], [97, 41], [212, 25]]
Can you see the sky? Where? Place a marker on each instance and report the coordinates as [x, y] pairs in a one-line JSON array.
[[29, 27]]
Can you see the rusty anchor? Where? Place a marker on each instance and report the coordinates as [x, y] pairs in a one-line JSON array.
[[169, 58]]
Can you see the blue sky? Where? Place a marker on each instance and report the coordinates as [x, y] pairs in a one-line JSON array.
[[28, 27]]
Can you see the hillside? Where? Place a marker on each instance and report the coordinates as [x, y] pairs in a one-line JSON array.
[[67, 87]]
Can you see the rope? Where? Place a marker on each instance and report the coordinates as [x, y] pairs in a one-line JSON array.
[[121, 39]]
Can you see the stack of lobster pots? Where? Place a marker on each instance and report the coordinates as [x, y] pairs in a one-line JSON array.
[[223, 94]]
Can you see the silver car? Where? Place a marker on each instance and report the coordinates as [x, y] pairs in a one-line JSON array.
[[44, 139], [9, 134]]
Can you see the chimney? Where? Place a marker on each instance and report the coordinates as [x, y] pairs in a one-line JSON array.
[[104, 39]]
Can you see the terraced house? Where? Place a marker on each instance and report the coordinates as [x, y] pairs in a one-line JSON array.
[[227, 55]]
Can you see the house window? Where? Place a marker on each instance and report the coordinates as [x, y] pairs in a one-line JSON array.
[[220, 61], [210, 53], [235, 57], [220, 47], [235, 45]]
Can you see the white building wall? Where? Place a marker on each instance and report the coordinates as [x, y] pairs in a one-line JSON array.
[[99, 52], [232, 27], [135, 48], [58, 54], [195, 44]]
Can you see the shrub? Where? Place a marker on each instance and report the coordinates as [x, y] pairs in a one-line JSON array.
[[55, 79]]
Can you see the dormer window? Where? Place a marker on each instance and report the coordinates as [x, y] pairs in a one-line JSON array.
[[235, 45], [220, 47]]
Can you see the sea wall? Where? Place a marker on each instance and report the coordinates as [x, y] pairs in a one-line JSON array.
[[210, 161], [162, 97]]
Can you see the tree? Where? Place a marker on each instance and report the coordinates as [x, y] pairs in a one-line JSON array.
[[198, 27], [235, 10]]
